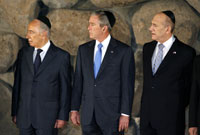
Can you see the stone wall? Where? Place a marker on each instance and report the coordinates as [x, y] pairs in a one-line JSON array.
[[69, 20]]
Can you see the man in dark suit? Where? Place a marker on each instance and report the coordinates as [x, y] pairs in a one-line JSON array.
[[194, 115], [41, 92], [167, 66], [104, 80]]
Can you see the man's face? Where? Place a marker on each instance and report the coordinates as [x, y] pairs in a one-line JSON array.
[[34, 35], [95, 31], [158, 28]]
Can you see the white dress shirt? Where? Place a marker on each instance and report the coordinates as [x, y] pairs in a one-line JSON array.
[[43, 53], [167, 45], [105, 44]]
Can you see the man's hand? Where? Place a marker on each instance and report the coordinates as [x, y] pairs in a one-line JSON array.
[[75, 118], [193, 131], [60, 123], [14, 119], [123, 123]]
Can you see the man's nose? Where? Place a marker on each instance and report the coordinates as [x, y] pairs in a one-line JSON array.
[[150, 28]]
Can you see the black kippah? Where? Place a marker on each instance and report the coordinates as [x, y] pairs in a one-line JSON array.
[[170, 14], [111, 18], [45, 20]]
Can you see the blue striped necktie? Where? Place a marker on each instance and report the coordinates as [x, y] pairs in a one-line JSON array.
[[97, 60], [158, 59]]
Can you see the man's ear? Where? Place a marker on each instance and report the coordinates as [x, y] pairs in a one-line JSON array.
[[169, 29], [44, 33], [105, 28]]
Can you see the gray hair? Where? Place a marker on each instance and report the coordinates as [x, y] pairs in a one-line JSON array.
[[170, 23], [103, 19], [44, 27]]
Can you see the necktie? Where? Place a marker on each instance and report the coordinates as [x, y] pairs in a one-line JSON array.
[[158, 58], [37, 60], [97, 60]]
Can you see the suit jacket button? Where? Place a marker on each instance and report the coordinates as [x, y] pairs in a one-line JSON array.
[[152, 87], [95, 85]]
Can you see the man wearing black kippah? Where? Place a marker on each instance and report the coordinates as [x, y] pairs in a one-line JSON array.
[[104, 80], [167, 66], [41, 91]]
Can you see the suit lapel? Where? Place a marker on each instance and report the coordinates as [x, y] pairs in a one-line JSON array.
[[29, 58], [90, 57], [169, 56], [108, 54], [47, 59]]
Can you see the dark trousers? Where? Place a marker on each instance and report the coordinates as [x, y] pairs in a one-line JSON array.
[[34, 131], [148, 129], [94, 128]]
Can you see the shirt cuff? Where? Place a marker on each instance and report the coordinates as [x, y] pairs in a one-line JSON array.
[[124, 115], [73, 111]]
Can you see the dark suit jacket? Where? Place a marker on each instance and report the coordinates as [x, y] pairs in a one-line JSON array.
[[166, 94], [111, 93], [194, 115], [48, 89]]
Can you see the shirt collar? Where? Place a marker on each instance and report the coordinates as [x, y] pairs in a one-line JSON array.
[[45, 47], [169, 42], [105, 42]]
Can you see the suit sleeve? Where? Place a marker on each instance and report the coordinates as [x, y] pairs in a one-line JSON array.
[[77, 85], [127, 82], [16, 86], [194, 96], [65, 88]]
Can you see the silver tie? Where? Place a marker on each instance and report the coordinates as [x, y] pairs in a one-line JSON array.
[[158, 58]]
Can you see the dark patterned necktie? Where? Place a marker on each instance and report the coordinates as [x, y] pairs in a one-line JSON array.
[[37, 60]]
